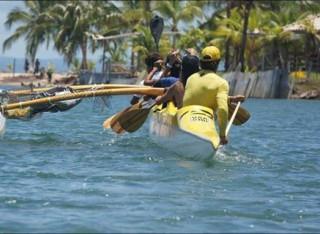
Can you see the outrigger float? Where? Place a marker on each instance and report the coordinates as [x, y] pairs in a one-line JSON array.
[[21, 107]]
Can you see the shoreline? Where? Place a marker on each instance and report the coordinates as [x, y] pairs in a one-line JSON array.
[[301, 90], [29, 79]]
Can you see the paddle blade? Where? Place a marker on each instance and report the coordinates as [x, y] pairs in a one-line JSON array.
[[156, 28], [132, 120], [107, 123], [113, 121], [2, 125], [242, 115]]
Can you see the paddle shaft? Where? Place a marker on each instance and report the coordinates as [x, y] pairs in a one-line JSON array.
[[85, 94], [232, 118]]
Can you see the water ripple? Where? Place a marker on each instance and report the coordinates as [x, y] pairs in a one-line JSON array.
[[64, 173]]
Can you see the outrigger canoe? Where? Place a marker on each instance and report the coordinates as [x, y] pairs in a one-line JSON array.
[[189, 131]]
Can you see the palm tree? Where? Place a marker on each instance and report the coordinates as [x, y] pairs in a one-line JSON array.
[[109, 22], [143, 43], [246, 15], [229, 29], [282, 41], [32, 25], [72, 20], [116, 52], [194, 38], [176, 11], [134, 13]]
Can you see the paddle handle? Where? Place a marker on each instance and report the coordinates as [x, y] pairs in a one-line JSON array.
[[85, 94], [75, 87], [232, 118]]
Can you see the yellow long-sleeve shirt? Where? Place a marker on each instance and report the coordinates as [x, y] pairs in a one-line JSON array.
[[206, 88]]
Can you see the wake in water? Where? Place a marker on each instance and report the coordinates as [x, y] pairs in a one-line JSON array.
[[231, 155]]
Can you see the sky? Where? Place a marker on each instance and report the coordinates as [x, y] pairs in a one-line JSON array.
[[18, 48]]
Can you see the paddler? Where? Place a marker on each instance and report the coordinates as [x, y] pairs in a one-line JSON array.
[[205, 88], [154, 71]]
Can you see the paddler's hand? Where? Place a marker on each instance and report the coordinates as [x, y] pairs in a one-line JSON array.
[[154, 69], [223, 140], [158, 64], [237, 98]]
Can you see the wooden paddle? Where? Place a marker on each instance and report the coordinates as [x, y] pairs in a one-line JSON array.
[[232, 118], [230, 122], [156, 28], [113, 121], [242, 115], [133, 119]]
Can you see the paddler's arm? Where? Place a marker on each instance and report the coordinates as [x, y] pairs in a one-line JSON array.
[[148, 80], [174, 93], [222, 111]]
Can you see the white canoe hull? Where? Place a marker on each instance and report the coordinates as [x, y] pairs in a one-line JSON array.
[[165, 131]]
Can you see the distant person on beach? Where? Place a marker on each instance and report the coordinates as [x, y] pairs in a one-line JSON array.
[[37, 66], [26, 66], [49, 75]]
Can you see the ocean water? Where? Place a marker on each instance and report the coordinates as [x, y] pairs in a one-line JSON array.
[[64, 173]]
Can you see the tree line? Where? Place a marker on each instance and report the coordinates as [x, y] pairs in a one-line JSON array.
[[250, 33]]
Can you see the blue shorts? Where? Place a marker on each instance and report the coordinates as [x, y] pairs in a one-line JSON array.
[[166, 81]]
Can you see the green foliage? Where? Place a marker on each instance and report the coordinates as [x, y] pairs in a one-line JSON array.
[[143, 43], [176, 11], [50, 68], [75, 65], [10, 67], [69, 25], [91, 65], [164, 45], [194, 38], [32, 24], [117, 51]]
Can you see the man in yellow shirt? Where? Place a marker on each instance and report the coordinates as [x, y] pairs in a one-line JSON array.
[[207, 89], [204, 88]]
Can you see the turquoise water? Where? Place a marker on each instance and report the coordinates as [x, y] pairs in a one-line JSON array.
[[63, 173]]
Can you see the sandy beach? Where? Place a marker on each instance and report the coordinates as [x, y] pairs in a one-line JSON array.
[[28, 79]]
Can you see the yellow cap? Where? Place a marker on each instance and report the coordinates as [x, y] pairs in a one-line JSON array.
[[210, 53]]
